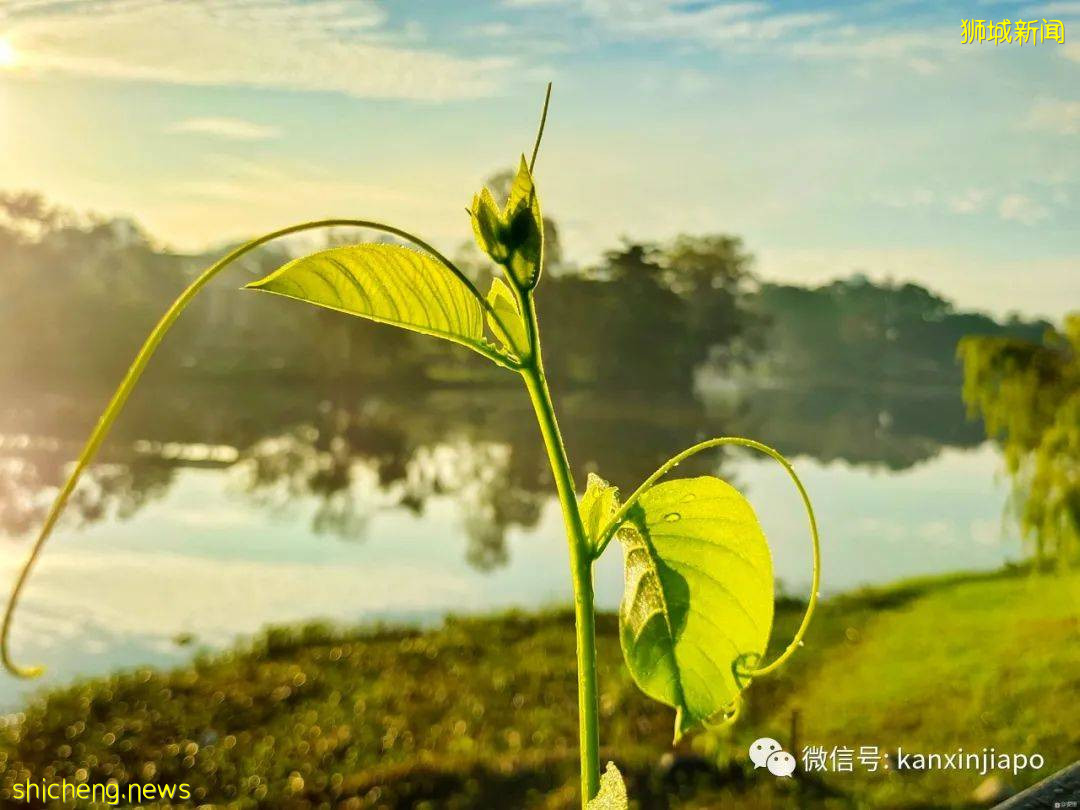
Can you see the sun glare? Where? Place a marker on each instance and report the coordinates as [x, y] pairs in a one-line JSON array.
[[8, 56]]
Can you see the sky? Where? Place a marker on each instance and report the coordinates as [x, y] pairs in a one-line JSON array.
[[833, 137]]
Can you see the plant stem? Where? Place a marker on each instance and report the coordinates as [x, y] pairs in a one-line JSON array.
[[580, 559], [134, 372]]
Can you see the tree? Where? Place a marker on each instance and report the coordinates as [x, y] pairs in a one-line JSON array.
[[711, 275], [1028, 395], [622, 307], [857, 332]]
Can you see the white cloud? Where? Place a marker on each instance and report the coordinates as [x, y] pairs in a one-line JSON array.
[[323, 45], [713, 24], [812, 34], [1062, 9], [1055, 115], [1071, 51], [233, 180], [707, 23], [693, 82], [493, 29], [233, 129], [912, 198], [969, 201], [920, 52], [1021, 208], [924, 67], [805, 34]]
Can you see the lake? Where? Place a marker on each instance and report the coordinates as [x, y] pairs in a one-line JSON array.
[[219, 508]]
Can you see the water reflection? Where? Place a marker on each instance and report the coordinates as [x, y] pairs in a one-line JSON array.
[[893, 428], [356, 455], [29, 480], [347, 455], [356, 507]]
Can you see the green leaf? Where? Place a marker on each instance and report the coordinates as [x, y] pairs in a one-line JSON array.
[[612, 795], [598, 505], [385, 283], [513, 336], [488, 226], [698, 605], [525, 229], [513, 237]]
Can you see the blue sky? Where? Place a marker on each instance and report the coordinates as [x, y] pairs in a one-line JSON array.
[[834, 137]]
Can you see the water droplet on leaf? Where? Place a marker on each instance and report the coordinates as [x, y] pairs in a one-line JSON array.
[[671, 517]]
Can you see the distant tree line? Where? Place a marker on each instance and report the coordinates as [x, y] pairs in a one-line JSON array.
[[855, 331], [81, 293]]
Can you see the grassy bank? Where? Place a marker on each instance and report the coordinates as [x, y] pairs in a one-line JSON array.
[[481, 712]]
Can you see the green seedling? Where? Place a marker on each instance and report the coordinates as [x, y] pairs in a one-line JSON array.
[[697, 610]]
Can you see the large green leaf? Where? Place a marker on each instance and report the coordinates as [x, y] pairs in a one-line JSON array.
[[385, 283], [698, 605], [612, 795]]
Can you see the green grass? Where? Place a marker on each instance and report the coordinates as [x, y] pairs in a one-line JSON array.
[[481, 712]]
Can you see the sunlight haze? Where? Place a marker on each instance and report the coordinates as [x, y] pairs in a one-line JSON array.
[[827, 135]]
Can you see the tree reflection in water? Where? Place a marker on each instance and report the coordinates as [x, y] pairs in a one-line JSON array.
[[354, 464], [355, 457], [29, 480]]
